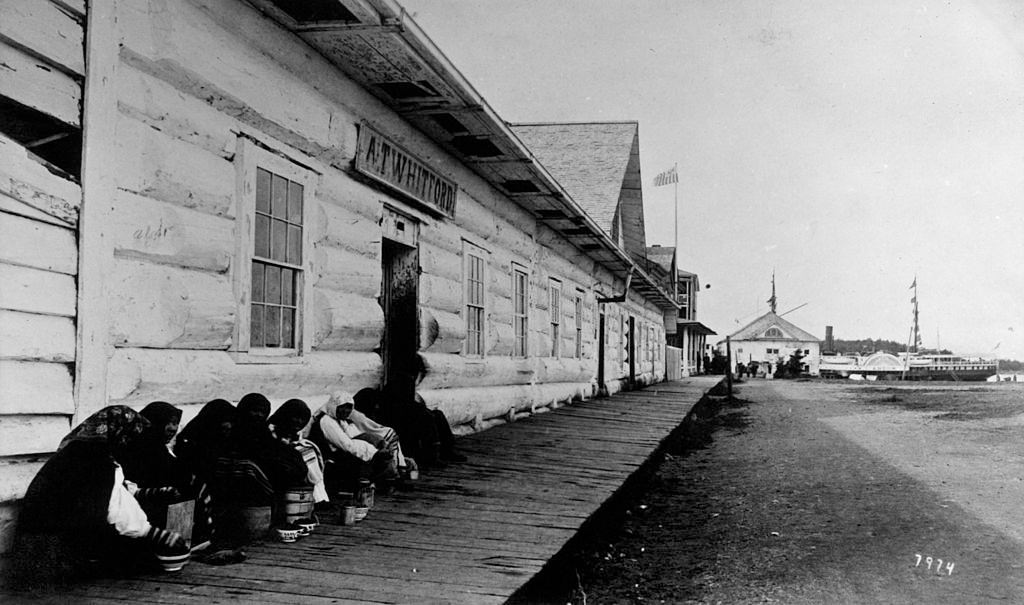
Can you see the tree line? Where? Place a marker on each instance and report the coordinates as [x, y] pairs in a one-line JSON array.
[[871, 345]]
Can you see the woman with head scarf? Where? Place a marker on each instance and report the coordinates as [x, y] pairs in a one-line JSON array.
[[152, 465], [198, 446], [356, 446], [79, 508], [203, 440], [287, 424], [282, 464]]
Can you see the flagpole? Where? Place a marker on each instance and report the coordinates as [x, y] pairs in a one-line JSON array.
[[675, 169]]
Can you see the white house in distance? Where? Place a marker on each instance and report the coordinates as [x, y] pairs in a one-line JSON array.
[[772, 339]]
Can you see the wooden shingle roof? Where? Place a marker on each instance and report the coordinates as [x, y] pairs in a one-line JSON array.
[[756, 329], [588, 159]]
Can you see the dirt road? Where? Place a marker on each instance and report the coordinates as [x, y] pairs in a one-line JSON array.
[[823, 492]]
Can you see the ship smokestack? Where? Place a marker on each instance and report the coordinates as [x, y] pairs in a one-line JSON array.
[[829, 342]]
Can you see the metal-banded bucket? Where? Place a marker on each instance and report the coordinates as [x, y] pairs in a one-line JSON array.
[[295, 504]]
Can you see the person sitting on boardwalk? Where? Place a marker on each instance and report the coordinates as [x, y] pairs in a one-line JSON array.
[[355, 446], [424, 432], [79, 512], [151, 464], [287, 424], [198, 446], [252, 444]]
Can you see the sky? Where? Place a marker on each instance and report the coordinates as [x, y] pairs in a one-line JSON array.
[[849, 146]]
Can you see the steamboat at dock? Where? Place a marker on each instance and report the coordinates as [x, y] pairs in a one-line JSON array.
[[911, 364]]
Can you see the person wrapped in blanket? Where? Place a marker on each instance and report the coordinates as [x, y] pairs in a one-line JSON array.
[[425, 433], [197, 448], [287, 424], [255, 466], [80, 516], [354, 446]]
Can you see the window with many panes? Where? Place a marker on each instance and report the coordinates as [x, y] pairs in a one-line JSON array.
[[272, 261], [555, 308], [276, 261], [474, 260], [579, 328], [520, 310]]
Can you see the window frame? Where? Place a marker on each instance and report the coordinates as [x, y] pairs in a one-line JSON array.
[[524, 338], [555, 316], [250, 156], [578, 306], [471, 251]]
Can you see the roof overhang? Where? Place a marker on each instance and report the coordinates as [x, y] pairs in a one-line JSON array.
[[378, 45], [696, 327]]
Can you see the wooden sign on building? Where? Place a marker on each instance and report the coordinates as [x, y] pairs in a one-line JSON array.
[[387, 163]]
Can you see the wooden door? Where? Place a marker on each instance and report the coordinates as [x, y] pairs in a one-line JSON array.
[[401, 306], [600, 354], [631, 350]]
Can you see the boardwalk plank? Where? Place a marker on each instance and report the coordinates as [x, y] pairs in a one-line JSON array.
[[468, 533]]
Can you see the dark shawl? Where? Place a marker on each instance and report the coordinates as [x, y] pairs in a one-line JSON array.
[[252, 440], [254, 404], [292, 414], [64, 512], [367, 401], [204, 439], [151, 463]]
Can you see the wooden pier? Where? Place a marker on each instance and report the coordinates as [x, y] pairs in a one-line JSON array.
[[470, 533]]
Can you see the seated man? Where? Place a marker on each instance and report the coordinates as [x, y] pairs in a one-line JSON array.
[[354, 446]]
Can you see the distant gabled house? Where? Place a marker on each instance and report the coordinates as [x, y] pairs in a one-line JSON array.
[[772, 339]]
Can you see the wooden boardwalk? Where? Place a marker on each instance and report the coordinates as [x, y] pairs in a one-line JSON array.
[[471, 533]]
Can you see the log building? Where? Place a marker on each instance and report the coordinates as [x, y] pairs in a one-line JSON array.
[[203, 198]]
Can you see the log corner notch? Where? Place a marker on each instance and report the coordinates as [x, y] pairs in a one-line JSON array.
[[625, 291]]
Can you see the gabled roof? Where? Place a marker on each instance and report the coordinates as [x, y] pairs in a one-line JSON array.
[[755, 330], [661, 256], [595, 163]]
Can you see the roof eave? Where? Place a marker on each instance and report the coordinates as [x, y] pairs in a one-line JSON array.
[[388, 18]]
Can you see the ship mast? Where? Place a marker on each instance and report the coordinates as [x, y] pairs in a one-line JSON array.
[[915, 334], [915, 338]]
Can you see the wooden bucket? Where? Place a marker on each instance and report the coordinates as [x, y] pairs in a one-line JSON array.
[[296, 504]]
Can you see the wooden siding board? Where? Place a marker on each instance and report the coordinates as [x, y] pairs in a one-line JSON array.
[[15, 475], [139, 376], [163, 233], [162, 306], [31, 82], [30, 243], [22, 435], [31, 337], [157, 166], [34, 387], [28, 182], [36, 291], [46, 30]]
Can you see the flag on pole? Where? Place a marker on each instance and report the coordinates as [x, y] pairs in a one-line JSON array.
[[913, 285], [667, 178]]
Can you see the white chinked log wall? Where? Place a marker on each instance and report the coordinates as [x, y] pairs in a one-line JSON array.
[[182, 102], [42, 60], [185, 92]]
